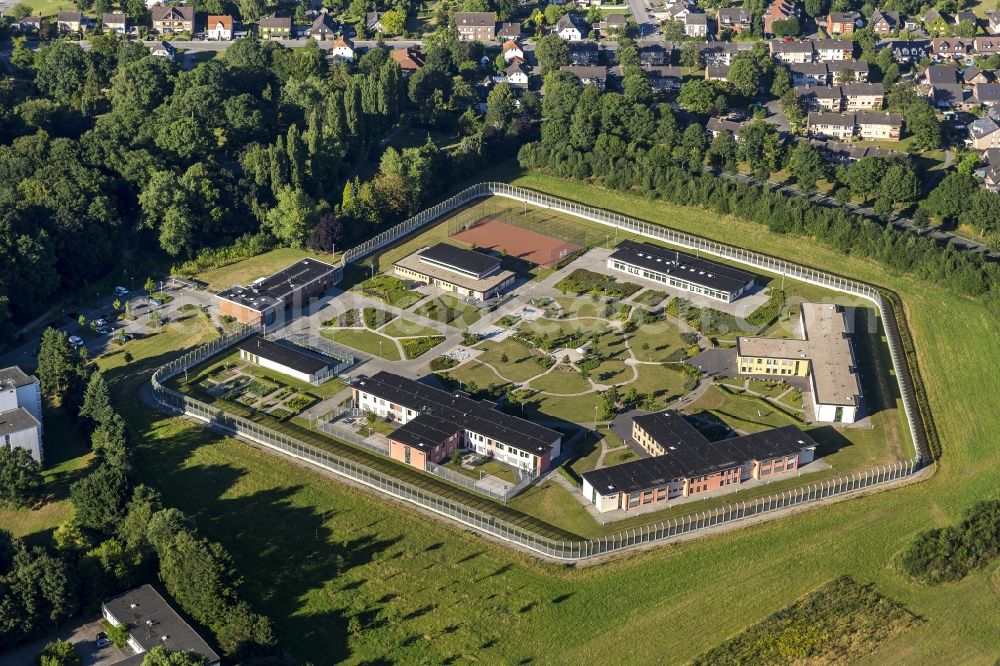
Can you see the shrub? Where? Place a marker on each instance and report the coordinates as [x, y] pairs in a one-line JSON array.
[[442, 363], [375, 318], [949, 553], [769, 311], [583, 281], [414, 347]]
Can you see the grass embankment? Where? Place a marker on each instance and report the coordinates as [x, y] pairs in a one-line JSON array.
[[316, 553]]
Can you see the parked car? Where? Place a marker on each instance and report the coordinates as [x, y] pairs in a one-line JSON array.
[[120, 291], [154, 302], [101, 322], [102, 640], [102, 330], [76, 340]]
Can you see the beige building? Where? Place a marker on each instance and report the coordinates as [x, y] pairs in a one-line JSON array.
[[464, 272], [476, 26]]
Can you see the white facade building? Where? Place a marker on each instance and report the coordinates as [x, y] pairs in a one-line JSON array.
[[21, 411]]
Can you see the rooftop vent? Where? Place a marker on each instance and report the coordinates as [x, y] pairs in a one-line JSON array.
[[132, 605]]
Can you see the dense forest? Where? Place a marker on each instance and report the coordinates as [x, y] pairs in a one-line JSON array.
[[110, 150]]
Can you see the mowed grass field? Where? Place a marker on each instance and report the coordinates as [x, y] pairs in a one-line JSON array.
[[316, 553], [246, 271]]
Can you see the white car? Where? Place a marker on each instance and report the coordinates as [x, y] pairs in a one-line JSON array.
[[76, 340], [120, 291]]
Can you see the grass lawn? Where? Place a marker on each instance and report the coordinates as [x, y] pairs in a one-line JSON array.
[[492, 467], [450, 310], [67, 456], [562, 380], [364, 340], [619, 456], [404, 328], [47, 7], [316, 553], [581, 306], [476, 372], [588, 450], [742, 412], [246, 271], [519, 366], [661, 380]]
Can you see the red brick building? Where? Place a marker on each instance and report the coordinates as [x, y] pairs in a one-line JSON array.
[[268, 298], [427, 438]]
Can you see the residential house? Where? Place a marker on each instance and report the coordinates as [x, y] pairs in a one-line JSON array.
[[476, 26], [779, 10], [850, 97], [409, 58], [116, 22], [844, 71], [373, 23], [653, 54], [792, 52], [675, 11], [716, 126], [848, 152], [664, 77], [993, 22], [722, 53], [984, 133], [150, 622], [612, 24], [937, 75], [30, 25], [717, 73], [837, 125], [583, 53], [511, 50], [974, 75], [168, 20], [833, 49], [841, 23], [570, 28], [951, 48], [163, 50], [509, 31], [809, 74], [914, 27], [906, 51], [589, 75], [991, 178], [936, 23], [696, 25], [986, 46], [987, 94], [324, 27], [879, 126], [21, 412], [275, 27], [734, 19], [70, 22], [884, 21], [966, 17], [219, 28], [343, 50], [517, 74]]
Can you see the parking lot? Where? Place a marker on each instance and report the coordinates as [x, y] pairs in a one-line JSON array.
[[82, 634]]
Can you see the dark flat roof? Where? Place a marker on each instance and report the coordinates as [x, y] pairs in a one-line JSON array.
[[462, 259], [268, 291], [691, 454], [425, 432], [285, 354], [166, 627], [464, 412], [705, 272]]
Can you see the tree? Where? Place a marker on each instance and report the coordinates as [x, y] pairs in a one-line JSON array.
[[58, 364], [551, 52], [700, 96], [393, 21], [96, 399], [760, 148], [950, 197], [983, 214], [691, 55], [20, 477], [806, 166], [58, 653], [161, 656], [900, 184], [789, 27], [327, 234], [68, 537], [293, 217], [149, 285], [745, 74], [500, 106], [781, 82], [110, 442], [62, 71], [100, 498]]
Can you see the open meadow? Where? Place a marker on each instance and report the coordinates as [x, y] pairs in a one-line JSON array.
[[352, 578]]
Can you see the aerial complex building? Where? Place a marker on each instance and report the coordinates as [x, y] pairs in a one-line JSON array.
[[21, 411], [824, 354], [465, 272], [685, 463], [268, 298], [681, 271], [435, 422]]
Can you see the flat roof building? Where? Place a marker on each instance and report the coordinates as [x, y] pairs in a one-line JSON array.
[[426, 438], [21, 411], [289, 359], [151, 622], [465, 272], [685, 463], [824, 353], [267, 298], [682, 271], [490, 432]]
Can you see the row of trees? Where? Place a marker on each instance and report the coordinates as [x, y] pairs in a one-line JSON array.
[[119, 536]]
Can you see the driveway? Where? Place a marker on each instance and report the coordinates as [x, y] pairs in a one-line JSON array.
[[81, 633]]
